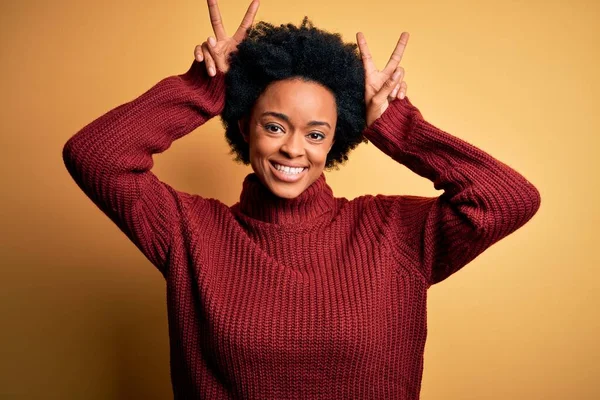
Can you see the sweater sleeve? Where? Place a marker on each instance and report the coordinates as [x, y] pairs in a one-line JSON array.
[[110, 159], [484, 200]]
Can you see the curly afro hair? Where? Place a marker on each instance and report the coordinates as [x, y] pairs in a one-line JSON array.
[[270, 53]]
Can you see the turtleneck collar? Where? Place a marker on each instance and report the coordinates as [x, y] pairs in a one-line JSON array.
[[258, 202]]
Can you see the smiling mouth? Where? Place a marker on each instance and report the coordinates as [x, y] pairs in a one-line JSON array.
[[288, 174]]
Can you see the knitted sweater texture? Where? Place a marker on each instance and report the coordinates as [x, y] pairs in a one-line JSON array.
[[317, 297]]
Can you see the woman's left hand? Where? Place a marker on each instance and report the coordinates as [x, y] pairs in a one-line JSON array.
[[381, 87]]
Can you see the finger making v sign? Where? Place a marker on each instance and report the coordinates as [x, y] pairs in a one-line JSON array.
[[382, 87], [215, 51]]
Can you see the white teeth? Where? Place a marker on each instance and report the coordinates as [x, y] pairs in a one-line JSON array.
[[288, 170]]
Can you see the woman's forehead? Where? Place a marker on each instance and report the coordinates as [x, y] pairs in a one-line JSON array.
[[297, 98]]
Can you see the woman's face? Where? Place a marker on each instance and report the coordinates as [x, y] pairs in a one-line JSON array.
[[289, 134]]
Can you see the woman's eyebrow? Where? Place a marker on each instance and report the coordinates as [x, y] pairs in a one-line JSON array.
[[287, 119]]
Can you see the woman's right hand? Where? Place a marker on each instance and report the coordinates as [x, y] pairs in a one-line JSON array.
[[215, 52]]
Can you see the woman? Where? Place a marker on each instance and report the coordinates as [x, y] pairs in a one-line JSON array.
[[293, 293]]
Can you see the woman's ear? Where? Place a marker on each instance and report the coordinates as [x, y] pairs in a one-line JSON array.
[[242, 125]]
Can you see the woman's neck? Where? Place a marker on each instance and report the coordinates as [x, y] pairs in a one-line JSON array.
[[258, 202]]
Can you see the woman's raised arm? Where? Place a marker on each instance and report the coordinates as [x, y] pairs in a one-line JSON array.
[[484, 200], [110, 158]]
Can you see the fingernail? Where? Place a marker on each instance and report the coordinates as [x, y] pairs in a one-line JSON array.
[[401, 95], [211, 71], [396, 75], [212, 41]]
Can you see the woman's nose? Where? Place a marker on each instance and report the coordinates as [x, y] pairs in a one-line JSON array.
[[293, 145]]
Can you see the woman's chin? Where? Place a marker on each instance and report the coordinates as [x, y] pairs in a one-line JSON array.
[[284, 189], [286, 193]]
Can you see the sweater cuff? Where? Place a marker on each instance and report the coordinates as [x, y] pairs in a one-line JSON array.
[[212, 88], [394, 125]]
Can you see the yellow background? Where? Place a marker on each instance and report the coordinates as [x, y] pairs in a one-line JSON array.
[[83, 312]]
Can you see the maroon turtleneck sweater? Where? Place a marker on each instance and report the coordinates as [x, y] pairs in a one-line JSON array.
[[317, 297]]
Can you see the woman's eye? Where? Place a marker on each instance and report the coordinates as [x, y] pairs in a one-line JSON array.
[[273, 128], [316, 136]]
